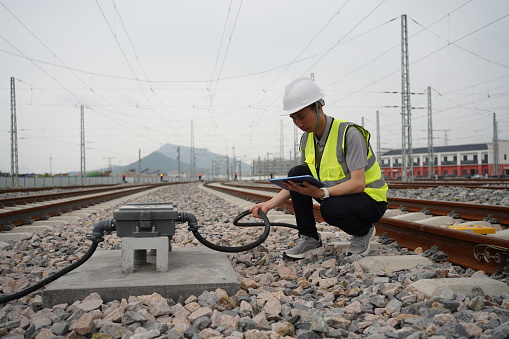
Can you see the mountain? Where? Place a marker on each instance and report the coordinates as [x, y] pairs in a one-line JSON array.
[[164, 160]]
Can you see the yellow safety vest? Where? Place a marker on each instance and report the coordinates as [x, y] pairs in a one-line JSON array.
[[333, 169]]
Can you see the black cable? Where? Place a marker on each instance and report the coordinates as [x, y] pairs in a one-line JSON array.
[[42, 283], [236, 222], [96, 237]]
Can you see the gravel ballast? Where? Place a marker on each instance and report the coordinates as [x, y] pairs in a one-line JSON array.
[[326, 295]]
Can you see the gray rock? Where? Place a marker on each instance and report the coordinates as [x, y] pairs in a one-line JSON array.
[[501, 332], [307, 335]]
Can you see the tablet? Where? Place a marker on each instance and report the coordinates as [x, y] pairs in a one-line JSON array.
[[298, 179]]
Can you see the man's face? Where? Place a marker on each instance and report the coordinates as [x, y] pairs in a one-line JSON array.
[[305, 119]]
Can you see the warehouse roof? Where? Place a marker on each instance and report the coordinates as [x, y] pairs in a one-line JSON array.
[[442, 149]]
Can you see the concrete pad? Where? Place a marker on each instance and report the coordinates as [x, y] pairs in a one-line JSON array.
[[92, 210], [79, 214], [438, 221], [392, 213], [341, 246], [504, 234], [191, 271], [8, 209], [31, 228], [50, 222], [67, 218], [3, 245], [374, 264], [14, 236], [434, 287], [415, 217], [482, 223]]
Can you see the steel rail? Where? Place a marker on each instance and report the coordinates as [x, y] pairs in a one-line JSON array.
[[41, 212], [8, 202], [479, 252], [461, 210]]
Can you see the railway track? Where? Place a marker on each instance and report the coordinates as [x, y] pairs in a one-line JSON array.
[[475, 183], [25, 210], [480, 252]]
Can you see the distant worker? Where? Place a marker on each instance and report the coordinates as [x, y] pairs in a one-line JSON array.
[[338, 153]]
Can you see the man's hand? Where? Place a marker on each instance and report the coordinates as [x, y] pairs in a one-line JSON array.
[[306, 189], [259, 207]]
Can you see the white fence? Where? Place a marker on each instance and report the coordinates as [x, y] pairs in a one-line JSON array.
[[35, 182]]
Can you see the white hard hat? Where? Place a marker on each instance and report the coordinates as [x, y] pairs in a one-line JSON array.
[[300, 93]]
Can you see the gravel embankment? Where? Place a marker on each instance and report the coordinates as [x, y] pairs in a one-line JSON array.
[[454, 193], [324, 296]]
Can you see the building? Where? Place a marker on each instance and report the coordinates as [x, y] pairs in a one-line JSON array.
[[275, 167], [457, 161]]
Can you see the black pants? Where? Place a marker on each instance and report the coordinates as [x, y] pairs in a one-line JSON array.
[[353, 213]]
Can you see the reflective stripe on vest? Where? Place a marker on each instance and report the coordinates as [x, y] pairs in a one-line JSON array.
[[333, 169]]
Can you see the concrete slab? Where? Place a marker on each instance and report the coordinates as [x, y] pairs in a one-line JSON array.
[[341, 246], [434, 287], [92, 210], [415, 217], [438, 221], [191, 271], [482, 223], [392, 213], [67, 218], [50, 222], [81, 215], [15, 236], [31, 228], [504, 234], [3, 245], [392, 263]]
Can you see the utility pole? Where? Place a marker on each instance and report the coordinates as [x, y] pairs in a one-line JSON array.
[[233, 165], [406, 121], [227, 168], [178, 163], [495, 145], [431, 155], [446, 137], [192, 152], [378, 148], [14, 138], [110, 167], [139, 165], [83, 171], [281, 140]]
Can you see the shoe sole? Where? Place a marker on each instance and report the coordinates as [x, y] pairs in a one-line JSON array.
[[369, 244], [301, 255]]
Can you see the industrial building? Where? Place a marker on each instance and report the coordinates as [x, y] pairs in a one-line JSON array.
[[451, 161]]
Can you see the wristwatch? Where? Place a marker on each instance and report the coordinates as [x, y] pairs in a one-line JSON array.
[[325, 192]]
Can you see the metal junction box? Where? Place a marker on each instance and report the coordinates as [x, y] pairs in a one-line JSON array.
[[151, 219]]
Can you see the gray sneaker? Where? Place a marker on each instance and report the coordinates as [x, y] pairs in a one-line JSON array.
[[303, 245], [360, 244]]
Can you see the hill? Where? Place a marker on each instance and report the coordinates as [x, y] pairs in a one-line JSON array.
[[164, 160]]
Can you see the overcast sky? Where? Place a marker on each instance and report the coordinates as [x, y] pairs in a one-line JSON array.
[[155, 72]]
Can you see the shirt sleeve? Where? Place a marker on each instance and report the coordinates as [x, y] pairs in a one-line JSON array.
[[356, 149]]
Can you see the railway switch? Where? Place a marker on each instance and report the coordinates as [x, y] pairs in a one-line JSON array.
[[146, 226]]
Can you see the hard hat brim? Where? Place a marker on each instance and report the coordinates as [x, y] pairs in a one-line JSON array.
[[294, 110]]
